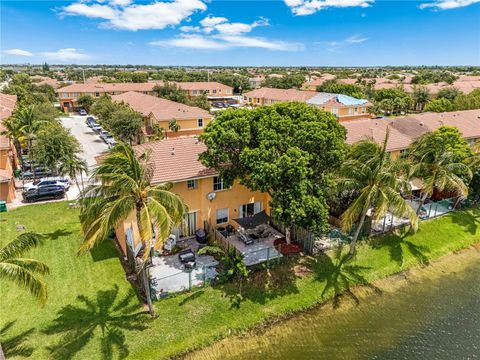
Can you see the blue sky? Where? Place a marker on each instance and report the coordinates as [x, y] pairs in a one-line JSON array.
[[256, 33]]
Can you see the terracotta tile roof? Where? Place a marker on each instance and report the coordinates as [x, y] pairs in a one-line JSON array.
[[7, 104], [202, 85], [161, 109], [176, 160], [109, 88], [40, 80], [404, 130], [281, 94]]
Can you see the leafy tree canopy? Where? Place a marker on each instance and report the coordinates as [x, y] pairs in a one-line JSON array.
[[347, 89], [439, 105], [286, 82], [85, 101], [289, 150]]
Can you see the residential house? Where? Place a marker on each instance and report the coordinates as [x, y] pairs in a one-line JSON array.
[[256, 82], [192, 120], [68, 95], [210, 203], [404, 130], [343, 106], [8, 158]]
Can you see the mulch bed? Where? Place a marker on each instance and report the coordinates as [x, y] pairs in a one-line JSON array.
[[286, 249]]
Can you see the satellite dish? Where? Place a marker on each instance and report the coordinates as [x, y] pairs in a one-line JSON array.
[[211, 196]]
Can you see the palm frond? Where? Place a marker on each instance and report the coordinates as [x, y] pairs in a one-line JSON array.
[[20, 245], [24, 278]]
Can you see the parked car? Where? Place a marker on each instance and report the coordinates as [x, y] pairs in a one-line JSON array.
[[97, 128], [90, 120], [111, 142], [104, 134], [44, 193], [57, 180], [82, 112], [37, 172]]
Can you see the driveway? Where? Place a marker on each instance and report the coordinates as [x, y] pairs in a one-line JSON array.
[[92, 145]]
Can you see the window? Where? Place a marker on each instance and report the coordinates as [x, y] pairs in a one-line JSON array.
[[200, 122], [218, 183], [194, 92], [249, 99], [334, 111], [214, 91], [350, 111], [251, 209], [192, 184], [355, 109], [222, 216], [471, 142], [97, 94], [363, 110], [76, 95], [64, 95], [219, 91], [245, 98]]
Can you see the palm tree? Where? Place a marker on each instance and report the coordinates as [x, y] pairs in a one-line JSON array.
[[420, 97], [437, 168], [173, 125], [28, 125], [24, 271], [124, 187], [13, 129], [74, 167], [379, 181]]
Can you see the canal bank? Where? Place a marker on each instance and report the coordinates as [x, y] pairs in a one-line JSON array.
[[428, 312]]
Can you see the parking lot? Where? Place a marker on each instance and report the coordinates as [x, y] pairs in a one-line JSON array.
[[92, 146]]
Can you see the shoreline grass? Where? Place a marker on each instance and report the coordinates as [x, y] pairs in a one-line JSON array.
[[192, 320]]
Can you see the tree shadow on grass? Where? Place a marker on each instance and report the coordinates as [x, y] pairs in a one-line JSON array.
[[104, 251], [58, 234], [105, 317], [339, 274], [15, 345], [467, 220], [396, 247], [263, 284]]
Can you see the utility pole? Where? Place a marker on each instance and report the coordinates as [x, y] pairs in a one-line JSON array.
[[83, 72]]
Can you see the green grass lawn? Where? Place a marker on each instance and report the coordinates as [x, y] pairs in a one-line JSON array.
[[92, 311]]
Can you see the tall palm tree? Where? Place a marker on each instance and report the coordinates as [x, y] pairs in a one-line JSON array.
[[124, 187], [437, 168], [24, 271], [379, 180], [74, 167], [29, 124]]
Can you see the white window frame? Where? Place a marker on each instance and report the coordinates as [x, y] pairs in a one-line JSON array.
[[200, 123], [222, 219], [192, 184], [218, 185]]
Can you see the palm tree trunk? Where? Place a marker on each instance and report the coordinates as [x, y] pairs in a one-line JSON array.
[[422, 202], [288, 235], [2, 355], [353, 244], [146, 286]]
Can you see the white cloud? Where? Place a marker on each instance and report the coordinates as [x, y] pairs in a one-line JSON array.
[[336, 45], [448, 4], [222, 42], [65, 55], [212, 21], [190, 29], [18, 52], [122, 14], [308, 7]]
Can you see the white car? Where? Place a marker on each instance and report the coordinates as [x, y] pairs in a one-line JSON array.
[[57, 180]]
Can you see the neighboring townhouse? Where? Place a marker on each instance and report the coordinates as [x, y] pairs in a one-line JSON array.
[[343, 106], [256, 82], [404, 130], [213, 90], [192, 120], [8, 157], [68, 95], [210, 203]]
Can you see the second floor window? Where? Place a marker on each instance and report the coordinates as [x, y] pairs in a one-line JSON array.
[[218, 183], [200, 122], [192, 184]]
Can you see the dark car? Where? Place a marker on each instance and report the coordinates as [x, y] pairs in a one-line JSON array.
[[90, 120], [44, 193]]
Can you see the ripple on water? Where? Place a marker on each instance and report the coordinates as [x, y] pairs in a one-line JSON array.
[[435, 314]]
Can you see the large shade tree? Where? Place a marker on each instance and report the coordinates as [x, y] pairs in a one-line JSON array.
[[288, 150], [122, 187], [379, 182]]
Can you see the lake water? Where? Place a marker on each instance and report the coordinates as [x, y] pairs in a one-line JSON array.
[[433, 313]]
